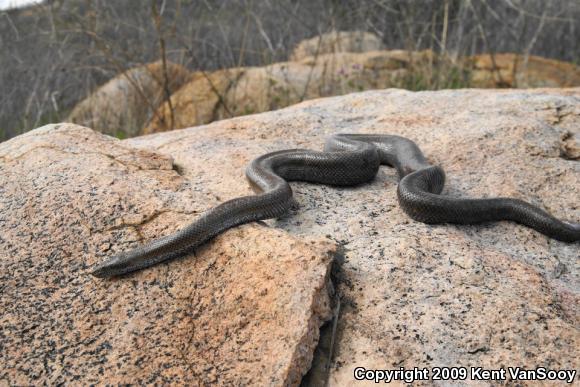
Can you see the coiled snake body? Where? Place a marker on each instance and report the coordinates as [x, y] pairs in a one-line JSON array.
[[348, 159]]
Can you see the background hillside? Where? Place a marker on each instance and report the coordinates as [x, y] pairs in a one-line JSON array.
[[54, 55]]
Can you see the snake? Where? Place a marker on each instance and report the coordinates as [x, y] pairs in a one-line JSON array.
[[347, 160]]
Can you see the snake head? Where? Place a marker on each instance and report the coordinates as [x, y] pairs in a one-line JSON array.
[[112, 267], [573, 226]]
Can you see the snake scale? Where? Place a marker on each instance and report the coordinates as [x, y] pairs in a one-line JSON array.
[[347, 160]]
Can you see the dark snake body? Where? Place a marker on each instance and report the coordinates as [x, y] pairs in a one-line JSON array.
[[348, 159]]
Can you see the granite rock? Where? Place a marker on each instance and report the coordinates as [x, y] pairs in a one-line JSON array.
[[336, 41], [245, 308], [415, 295], [199, 101], [134, 102], [410, 294], [513, 70], [123, 105], [227, 93]]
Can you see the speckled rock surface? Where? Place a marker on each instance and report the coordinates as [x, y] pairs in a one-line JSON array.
[[416, 295], [244, 309], [411, 295]]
